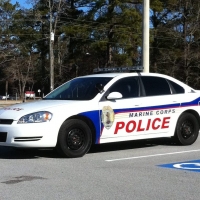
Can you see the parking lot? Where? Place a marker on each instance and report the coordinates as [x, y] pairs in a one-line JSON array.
[[139, 170]]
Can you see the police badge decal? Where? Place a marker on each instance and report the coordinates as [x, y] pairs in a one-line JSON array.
[[107, 117]]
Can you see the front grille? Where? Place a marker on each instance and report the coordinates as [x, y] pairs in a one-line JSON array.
[[3, 136], [27, 139], [6, 121]]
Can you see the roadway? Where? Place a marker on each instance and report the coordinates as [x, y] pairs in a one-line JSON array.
[[137, 170]]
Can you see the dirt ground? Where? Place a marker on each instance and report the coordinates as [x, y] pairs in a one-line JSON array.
[[4, 103]]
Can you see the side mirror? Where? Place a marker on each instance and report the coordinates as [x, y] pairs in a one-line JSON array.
[[114, 95]]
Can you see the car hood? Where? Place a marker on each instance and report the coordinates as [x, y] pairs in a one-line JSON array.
[[17, 110]]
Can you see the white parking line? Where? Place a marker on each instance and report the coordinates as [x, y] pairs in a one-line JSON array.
[[153, 155]]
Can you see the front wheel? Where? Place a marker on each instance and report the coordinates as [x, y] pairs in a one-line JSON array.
[[74, 138], [187, 129]]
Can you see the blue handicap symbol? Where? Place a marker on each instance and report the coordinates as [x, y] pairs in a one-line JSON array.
[[192, 165]]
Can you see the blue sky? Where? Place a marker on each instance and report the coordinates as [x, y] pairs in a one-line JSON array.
[[23, 3]]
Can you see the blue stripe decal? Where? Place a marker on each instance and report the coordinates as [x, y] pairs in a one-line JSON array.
[[191, 103], [94, 117]]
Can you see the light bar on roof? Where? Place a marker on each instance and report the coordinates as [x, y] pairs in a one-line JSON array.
[[118, 69]]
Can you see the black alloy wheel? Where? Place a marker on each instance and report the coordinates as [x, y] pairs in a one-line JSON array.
[[74, 138], [187, 129]]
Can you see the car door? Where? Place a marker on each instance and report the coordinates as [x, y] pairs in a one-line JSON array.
[[163, 102], [115, 113]]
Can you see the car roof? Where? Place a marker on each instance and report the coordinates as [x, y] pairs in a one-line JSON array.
[[109, 75], [122, 74], [112, 75]]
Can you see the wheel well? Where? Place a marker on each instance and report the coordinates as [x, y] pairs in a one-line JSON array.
[[89, 123], [193, 112]]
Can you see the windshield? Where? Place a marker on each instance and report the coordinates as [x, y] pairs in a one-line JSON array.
[[78, 89]]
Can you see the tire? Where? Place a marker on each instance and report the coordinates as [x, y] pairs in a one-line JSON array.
[[187, 129], [74, 139]]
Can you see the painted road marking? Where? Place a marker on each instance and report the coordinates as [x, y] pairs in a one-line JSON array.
[[187, 166], [152, 155], [193, 165]]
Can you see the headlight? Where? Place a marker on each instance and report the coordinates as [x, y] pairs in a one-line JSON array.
[[36, 117]]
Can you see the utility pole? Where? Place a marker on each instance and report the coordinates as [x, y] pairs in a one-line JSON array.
[[6, 89], [145, 36], [51, 53]]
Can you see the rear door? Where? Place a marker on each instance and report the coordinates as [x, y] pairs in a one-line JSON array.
[[162, 100]]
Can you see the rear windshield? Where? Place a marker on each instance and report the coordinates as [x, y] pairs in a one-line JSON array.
[[78, 89]]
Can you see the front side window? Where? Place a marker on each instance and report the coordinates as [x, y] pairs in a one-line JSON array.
[[128, 87], [78, 89], [155, 86]]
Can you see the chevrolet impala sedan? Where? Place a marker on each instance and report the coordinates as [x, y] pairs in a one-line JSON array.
[[108, 106]]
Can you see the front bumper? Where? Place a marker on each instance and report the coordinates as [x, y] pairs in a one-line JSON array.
[[33, 135]]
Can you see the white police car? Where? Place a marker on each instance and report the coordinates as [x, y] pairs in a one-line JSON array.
[[103, 108]]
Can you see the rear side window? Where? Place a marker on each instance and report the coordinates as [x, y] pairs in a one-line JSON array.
[[155, 86], [177, 88]]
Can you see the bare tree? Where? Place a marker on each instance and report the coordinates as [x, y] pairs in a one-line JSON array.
[[20, 72]]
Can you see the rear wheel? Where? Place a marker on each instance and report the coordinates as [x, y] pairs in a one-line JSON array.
[[187, 129], [74, 138]]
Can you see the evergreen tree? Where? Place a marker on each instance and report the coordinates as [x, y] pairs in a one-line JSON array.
[[175, 39], [117, 31]]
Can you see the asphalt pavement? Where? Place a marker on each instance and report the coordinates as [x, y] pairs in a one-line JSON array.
[[137, 170]]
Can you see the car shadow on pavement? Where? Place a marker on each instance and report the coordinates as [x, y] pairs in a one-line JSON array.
[[116, 146], [26, 153], [18, 153]]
